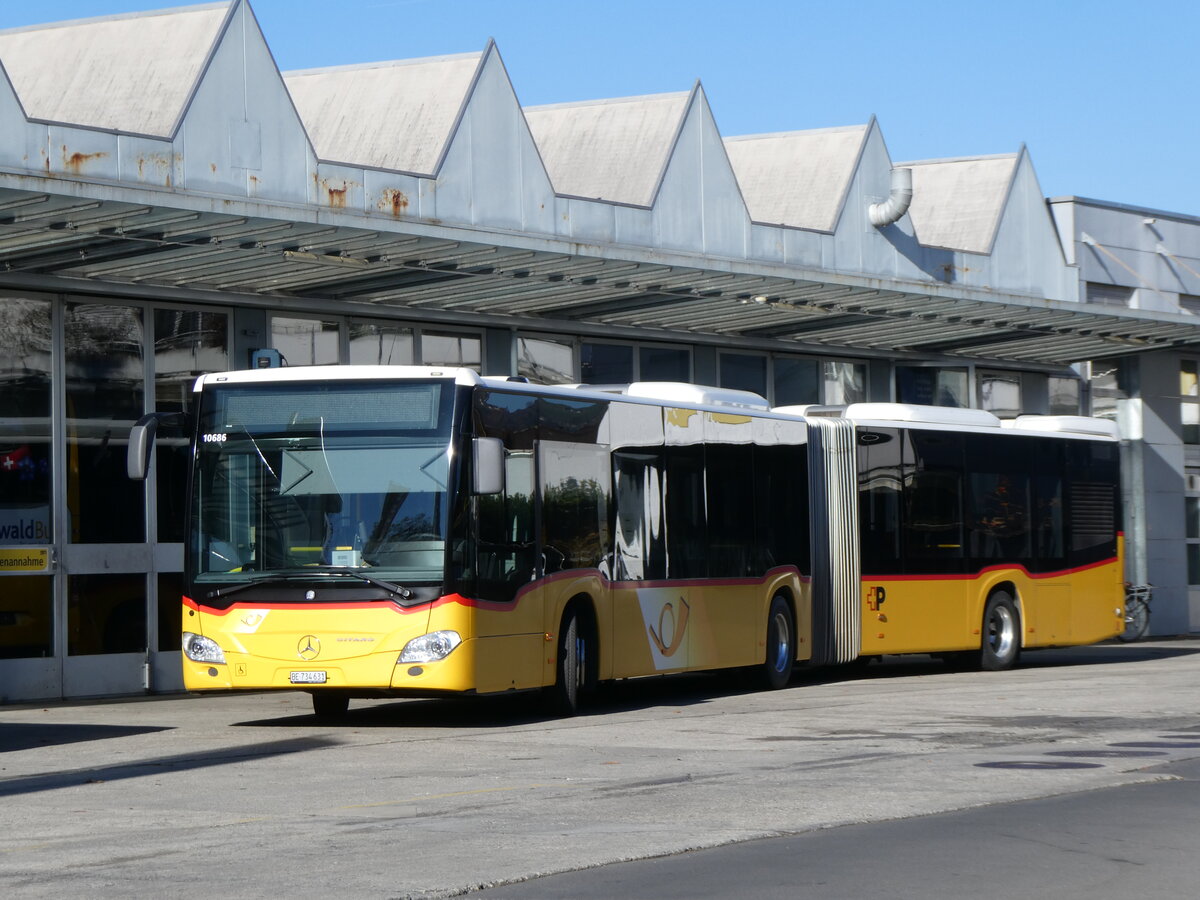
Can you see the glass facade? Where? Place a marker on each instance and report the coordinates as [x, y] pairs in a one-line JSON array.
[[306, 342], [381, 344], [78, 373], [744, 372], [545, 360], [605, 363], [105, 374], [932, 386]]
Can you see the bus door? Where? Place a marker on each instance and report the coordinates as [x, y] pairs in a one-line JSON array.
[[650, 613]]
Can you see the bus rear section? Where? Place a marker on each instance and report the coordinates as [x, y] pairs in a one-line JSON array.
[[979, 541]]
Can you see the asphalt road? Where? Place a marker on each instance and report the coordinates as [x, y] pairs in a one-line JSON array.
[[1137, 840], [1067, 774]]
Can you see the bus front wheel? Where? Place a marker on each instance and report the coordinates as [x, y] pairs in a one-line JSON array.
[[781, 648], [1001, 643], [571, 668]]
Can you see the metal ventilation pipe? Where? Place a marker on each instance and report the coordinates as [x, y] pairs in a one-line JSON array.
[[897, 203]]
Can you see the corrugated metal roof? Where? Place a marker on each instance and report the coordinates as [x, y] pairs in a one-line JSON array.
[[129, 73], [362, 270], [612, 150], [798, 178], [957, 202], [395, 115]]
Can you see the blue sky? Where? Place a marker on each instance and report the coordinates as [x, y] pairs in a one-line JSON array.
[[1103, 93]]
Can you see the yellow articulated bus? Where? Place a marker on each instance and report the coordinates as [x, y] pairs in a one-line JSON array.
[[405, 531]]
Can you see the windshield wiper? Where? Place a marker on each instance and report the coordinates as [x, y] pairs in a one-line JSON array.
[[395, 590], [346, 571]]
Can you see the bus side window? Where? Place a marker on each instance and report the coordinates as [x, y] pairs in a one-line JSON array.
[[933, 499], [880, 488], [781, 507], [639, 542], [1092, 495], [506, 549], [687, 534], [730, 499], [1048, 520], [998, 498]]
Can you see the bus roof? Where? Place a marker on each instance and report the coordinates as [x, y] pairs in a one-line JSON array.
[[667, 393]]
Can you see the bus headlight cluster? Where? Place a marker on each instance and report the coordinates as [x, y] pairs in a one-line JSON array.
[[198, 648], [430, 647]]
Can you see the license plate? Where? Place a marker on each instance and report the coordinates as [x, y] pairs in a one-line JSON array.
[[307, 678]]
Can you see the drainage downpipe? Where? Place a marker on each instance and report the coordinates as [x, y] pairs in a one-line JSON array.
[[897, 203]]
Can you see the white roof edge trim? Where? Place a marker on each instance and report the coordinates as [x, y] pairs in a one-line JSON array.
[[384, 64], [914, 413], [118, 17], [959, 159], [1082, 425], [287, 374], [802, 132], [606, 101]]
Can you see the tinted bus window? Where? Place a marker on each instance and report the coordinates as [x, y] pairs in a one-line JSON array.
[[781, 491], [506, 551], [730, 498], [881, 493], [1092, 502], [687, 537], [998, 499], [575, 499], [1048, 516], [639, 539], [933, 526]]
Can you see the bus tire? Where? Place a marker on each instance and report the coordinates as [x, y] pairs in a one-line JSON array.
[[329, 704], [1001, 634], [571, 666], [781, 645]]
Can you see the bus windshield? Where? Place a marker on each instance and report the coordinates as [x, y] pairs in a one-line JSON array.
[[303, 478]]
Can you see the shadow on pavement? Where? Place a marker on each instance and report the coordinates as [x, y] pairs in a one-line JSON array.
[[50, 781], [27, 735], [680, 691]]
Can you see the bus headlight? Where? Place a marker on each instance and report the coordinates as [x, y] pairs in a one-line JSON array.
[[198, 648], [429, 647]]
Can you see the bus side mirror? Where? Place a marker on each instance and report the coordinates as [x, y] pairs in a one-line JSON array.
[[488, 465], [141, 442]]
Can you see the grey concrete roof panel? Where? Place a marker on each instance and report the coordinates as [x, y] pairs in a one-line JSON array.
[[957, 203], [613, 150], [130, 73], [797, 178], [395, 115]]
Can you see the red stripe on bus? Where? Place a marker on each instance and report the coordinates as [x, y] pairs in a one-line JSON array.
[[1009, 567]]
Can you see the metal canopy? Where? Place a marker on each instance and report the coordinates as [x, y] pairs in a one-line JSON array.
[[97, 241]]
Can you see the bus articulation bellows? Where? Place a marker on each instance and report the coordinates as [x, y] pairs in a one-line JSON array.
[[404, 531]]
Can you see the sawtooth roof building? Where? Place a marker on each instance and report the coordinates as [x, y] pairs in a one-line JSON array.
[[171, 202]]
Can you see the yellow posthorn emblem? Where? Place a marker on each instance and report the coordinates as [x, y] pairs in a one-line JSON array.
[[670, 628]]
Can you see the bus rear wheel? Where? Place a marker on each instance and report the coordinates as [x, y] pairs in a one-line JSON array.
[[1001, 643], [781, 647]]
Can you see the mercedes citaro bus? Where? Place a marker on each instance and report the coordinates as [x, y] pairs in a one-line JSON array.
[[374, 531]]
